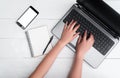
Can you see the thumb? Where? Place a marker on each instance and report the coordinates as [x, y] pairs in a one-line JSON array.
[[75, 35], [79, 40]]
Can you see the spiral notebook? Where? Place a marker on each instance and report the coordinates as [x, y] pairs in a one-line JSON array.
[[38, 39]]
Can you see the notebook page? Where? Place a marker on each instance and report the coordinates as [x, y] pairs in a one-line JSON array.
[[38, 38]]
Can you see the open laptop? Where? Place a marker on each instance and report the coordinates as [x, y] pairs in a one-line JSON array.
[[97, 18]]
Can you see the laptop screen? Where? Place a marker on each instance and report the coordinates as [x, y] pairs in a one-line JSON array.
[[103, 12]]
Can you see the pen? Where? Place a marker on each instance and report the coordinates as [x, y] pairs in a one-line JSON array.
[[48, 44]]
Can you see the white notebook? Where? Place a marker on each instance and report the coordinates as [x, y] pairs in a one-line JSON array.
[[38, 39]]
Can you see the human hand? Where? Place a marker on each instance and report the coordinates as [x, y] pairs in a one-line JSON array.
[[83, 45], [69, 32]]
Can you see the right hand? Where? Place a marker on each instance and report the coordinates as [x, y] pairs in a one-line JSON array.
[[83, 45]]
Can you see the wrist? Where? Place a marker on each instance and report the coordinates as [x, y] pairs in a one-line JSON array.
[[61, 43], [79, 56]]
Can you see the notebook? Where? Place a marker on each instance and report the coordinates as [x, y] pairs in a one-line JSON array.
[[38, 39]]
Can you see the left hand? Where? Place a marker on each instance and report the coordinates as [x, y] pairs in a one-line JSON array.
[[69, 32]]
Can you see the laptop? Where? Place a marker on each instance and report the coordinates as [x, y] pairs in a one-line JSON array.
[[97, 18]]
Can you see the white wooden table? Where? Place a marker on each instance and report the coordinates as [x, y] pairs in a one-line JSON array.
[[15, 58]]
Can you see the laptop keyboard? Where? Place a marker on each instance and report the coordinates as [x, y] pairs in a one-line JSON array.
[[102, 42]]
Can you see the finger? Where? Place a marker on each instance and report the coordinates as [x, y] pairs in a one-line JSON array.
[[79, 40], [75, 35], [76, 28], [91, 38], [65, 25], [72, 25], [85, 35]]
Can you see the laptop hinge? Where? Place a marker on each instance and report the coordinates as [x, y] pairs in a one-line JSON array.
[[114, 34]]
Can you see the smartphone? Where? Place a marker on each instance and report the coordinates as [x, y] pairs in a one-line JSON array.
[[27, 17]]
